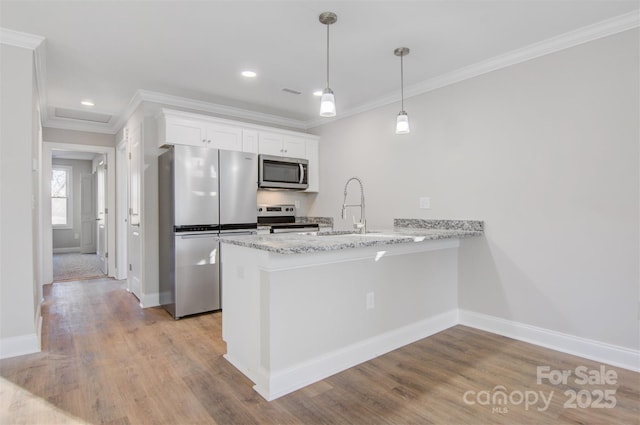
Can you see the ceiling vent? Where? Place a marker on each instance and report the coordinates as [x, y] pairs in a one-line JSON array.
[[292, 91], [76, 114]]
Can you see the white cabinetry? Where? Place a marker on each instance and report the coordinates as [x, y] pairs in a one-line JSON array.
[[177, 130], [249, 141], [314, 165], [281, 145], [186, 128]]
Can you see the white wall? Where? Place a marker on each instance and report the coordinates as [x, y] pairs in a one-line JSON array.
[[66, 238], [18, 211], [546, 152]]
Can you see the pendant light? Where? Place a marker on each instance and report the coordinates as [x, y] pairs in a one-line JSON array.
[[402, 121], [327, 103]]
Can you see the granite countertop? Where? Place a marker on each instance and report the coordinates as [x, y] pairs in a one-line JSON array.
[[405, 231]]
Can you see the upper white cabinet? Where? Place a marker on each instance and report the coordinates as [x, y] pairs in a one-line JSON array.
[[249, 140], [281, 145], [270, 143], [224, 137], [186, 128], [314, 164], [175, 129]]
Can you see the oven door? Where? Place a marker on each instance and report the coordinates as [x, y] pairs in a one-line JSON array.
[[282, 173]]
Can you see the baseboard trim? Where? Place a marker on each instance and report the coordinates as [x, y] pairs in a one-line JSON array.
[[19, 345], [614, 355], [66, 250], [39, 320], [288, 380], [150, 300]]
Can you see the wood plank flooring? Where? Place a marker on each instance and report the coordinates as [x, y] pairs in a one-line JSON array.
[[106, 361]]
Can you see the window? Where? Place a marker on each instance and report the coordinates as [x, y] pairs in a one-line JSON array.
[[61, 211]]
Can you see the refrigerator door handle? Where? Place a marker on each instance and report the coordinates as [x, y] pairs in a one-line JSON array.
[[203, 235], [239, 232]]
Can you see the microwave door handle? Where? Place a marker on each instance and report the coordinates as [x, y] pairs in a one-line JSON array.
[[301, 173]]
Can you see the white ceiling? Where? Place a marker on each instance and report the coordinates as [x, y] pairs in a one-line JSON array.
[[107, 50]]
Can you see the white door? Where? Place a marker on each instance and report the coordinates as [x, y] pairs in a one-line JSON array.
[[122, 207], [134, 240], [87, 215], [101, 219]]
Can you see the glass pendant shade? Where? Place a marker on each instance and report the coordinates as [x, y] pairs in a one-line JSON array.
[[402, 120], [402, 123], [327, 104]]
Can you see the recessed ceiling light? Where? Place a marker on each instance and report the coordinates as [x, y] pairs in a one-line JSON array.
[[317, 93], [87, 103], [249, 74]]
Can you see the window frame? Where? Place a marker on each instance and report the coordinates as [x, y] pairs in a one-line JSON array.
[[69, 174]]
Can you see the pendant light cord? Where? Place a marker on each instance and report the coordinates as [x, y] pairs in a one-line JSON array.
[[327, 56], [402, 82]]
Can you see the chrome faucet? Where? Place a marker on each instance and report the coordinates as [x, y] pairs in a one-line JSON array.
[[362, 224]]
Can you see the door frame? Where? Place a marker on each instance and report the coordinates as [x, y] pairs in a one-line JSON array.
[[46, 237]]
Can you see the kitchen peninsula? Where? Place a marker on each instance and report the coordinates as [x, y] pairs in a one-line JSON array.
[[301, 307]]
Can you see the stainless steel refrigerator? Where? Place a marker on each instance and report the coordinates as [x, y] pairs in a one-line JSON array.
[[203, 194]]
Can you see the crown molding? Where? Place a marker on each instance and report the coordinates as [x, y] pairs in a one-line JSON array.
[[582, 35], [215, 108], [141, 96], [20, 39]]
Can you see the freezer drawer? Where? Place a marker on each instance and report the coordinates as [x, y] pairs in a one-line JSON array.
[[197, 273]]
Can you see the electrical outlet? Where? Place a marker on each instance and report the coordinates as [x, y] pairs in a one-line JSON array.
[[76, 236], [297, 204], [371, 300], [425, 203]]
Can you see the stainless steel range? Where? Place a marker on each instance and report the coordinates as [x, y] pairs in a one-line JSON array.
[[282, 219]]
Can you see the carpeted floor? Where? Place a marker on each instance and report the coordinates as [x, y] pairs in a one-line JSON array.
[[76, 266]]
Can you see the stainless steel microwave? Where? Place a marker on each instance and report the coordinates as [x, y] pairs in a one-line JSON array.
[[276, 172]]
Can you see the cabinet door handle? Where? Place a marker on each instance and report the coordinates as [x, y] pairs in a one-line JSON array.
[[204, 140]]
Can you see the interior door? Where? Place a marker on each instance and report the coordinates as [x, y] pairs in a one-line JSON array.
[[87, 214], [122, 209], [101, 219]]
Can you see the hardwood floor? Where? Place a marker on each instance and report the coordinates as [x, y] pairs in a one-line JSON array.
[[106, 361]]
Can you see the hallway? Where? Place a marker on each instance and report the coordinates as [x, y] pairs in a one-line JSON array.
[[75, 266]]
